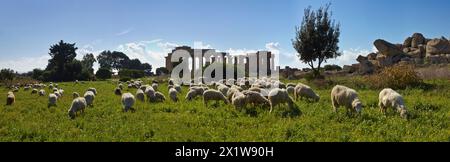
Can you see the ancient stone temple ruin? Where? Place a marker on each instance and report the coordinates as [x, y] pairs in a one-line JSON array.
[[254, 63]]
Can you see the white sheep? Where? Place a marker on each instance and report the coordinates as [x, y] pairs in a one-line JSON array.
[[159, 97], [140, 95], [150, 93], [155, 86], [192, 94], [231, 92], [34, 91], [390, 98], [57, 94], [41, 92], [118, 91], [61, 91], [239, 100], [256, 98], [89, 96], [302, 90], [10, 98], [215, 95], [52, 98], [173, 94], [223, 89], [279, 96], [93, 90], [128, 101], [347, 97], [78, 105]]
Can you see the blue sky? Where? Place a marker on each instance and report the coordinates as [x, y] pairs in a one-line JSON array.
[[148, 29]]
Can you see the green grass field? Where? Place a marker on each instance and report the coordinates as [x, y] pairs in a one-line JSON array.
[[29, 119]]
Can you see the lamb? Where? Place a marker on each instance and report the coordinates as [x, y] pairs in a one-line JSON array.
[[89, 96], [302, 90], [390, 98], [118, 91], [140, 95], [209, 95], [347, 97], [41, 92], [75, 95], [52, 98], [159, 97], [279, 96], [155, 86], [93, 90], [173, 94], [78, 105], [10, 98], [256, 98], [128, 101]]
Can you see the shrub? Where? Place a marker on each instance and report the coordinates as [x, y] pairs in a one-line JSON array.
[[332, 68], [130, 73], [125, 79], [396, 77], [103, 74]]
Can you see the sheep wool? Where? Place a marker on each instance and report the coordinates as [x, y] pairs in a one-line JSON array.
[[388, 98], [10, 98], [128, 101], [279, 96], [78, 105], [52, 98], [347, 97], [214, 95], [302, 90], [140, 95], [173, 94], [89, 96]]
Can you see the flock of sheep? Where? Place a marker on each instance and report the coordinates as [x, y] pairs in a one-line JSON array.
[[241, 93]]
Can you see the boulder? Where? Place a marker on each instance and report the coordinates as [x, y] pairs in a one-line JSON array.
[[365, 66], [386, 48], [438, 46], [407, 42], [417, 39], [372, 56]]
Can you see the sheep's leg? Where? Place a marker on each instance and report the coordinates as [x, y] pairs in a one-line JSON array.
[[335, 106]]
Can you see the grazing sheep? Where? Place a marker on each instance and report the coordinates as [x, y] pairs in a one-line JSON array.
[[75, 95], [192, 94], [93, 90], [140, 95], [223, 89], [61, 91], [390, 98], [215, 95], [173, 94], [52, 98], [50, 86], [34, 91], [159, 97], [118, 91], [155, 86], [290, 85], [121, 86], [128, 101], [89, 96], [231, 92], [302, 90], [144, 87], [57, 94], [170, 82], [239, 100], [16, 89], [150, 93], [256, 98], [199, 90], [347, 97], [10, 98], [290, 90], [177, 87], [26, 88], [41, 92], [279, 96], [78, 105]]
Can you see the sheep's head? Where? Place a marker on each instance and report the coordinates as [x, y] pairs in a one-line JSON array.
[[72, 114], [403, 112], [317, 98], [357, 105]]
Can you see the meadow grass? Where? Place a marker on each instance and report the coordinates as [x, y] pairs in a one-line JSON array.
[[29, 119]]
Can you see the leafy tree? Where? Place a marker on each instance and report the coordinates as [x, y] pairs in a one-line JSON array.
[[161, 71], [88, 62], [103, 73], [332, 67], [7, 75], [131, 73], [37, 74], [147, 69], [62, 54], [112, 60], [317, 38]]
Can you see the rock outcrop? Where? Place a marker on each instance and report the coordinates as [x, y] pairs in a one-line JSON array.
[[415, 50]]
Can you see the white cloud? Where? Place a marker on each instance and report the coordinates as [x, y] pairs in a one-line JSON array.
[[349, 56], [273, 47], [167, 46], [124, 32], [200, 45], [25, 64], [142, 51]]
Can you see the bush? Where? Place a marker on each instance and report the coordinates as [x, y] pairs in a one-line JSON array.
[[395, 77], [130, 73], [103, 74], [125, 79], [332, 68]]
